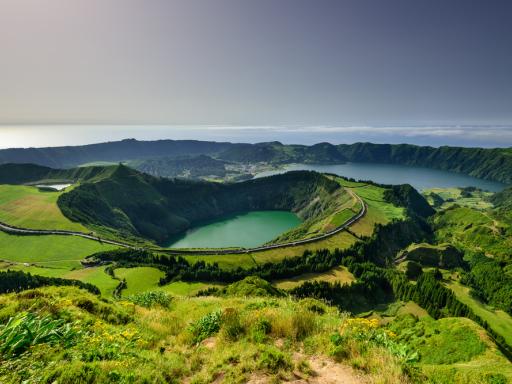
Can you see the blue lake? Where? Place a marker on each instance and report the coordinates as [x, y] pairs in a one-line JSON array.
[[419, 177]]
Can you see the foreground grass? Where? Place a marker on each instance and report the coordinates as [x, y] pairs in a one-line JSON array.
[[28, 207], [239, 339]]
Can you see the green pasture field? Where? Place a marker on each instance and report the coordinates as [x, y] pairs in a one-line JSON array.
[[478, 199], [51, 250], [28, 207], [183, 288], [94, 275], [139, 279], [339, 274], [476, 230]]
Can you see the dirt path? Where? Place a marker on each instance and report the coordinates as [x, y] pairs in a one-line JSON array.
[[324, 371]]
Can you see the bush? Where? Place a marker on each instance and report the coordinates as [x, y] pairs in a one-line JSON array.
[[150, 299], [232, 328], [27, 329], [260, 330], [413, 270], [206, 326], [304, 324], [273, 360]]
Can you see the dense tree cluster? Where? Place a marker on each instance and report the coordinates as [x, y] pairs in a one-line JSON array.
[[16, 281], [438, 300], [371, 288], [489, 282]]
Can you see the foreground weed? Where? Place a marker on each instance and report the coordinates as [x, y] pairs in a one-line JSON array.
[[27, 329]]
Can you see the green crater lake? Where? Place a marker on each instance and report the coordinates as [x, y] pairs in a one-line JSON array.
[[249, 229]]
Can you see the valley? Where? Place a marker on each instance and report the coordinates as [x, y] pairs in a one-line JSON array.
[[390, 259]]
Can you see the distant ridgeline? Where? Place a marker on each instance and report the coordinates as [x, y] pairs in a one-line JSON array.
[[492, 164], [34, 174], [135, 203]]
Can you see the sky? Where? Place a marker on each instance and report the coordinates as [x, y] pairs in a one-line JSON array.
[[424, 71]]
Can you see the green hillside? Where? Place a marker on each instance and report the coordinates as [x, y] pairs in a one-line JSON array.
[[487, 163], [164, 339], [138, 204]]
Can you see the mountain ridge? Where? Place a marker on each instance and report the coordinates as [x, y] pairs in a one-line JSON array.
[[487, 163]]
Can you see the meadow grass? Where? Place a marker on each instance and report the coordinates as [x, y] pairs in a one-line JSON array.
[[139, 279], [234, 339], [28, 207], [51, 250], [338, 274], [94, 275], [184, 288], [228, 261], [477, 200], [498, 320]]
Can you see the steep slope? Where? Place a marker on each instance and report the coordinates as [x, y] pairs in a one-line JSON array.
[[31, 174], [139, 204], [486, 163], [277, 153], [130, 149]]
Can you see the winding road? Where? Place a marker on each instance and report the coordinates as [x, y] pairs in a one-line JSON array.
[[42, 232]]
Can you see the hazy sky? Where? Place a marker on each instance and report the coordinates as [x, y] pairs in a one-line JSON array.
[[324, 64]]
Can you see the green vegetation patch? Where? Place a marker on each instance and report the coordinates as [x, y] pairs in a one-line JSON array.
[[443, 341], [51, 250], [252, 286], [338, 274], [28, 207], [474, 230], [139, 279], [440, 255], [498, 320]]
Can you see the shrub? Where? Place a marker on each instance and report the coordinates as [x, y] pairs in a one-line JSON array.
[[413, 270], [150, 299], [313, 305], [273, 360], [206, 326], [260, 330], [232, 328], [303, 323], [27, 329]]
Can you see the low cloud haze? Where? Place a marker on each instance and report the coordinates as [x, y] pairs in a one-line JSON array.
[[299, 71], [41, 136]]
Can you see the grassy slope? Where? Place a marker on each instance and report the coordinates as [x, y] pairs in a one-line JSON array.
[[453, 350], [139, 279], [339, 274], [150, 343], [474, 230], [478, 199], [28, 207], [55, 251], [96, 275], [499, 321]]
